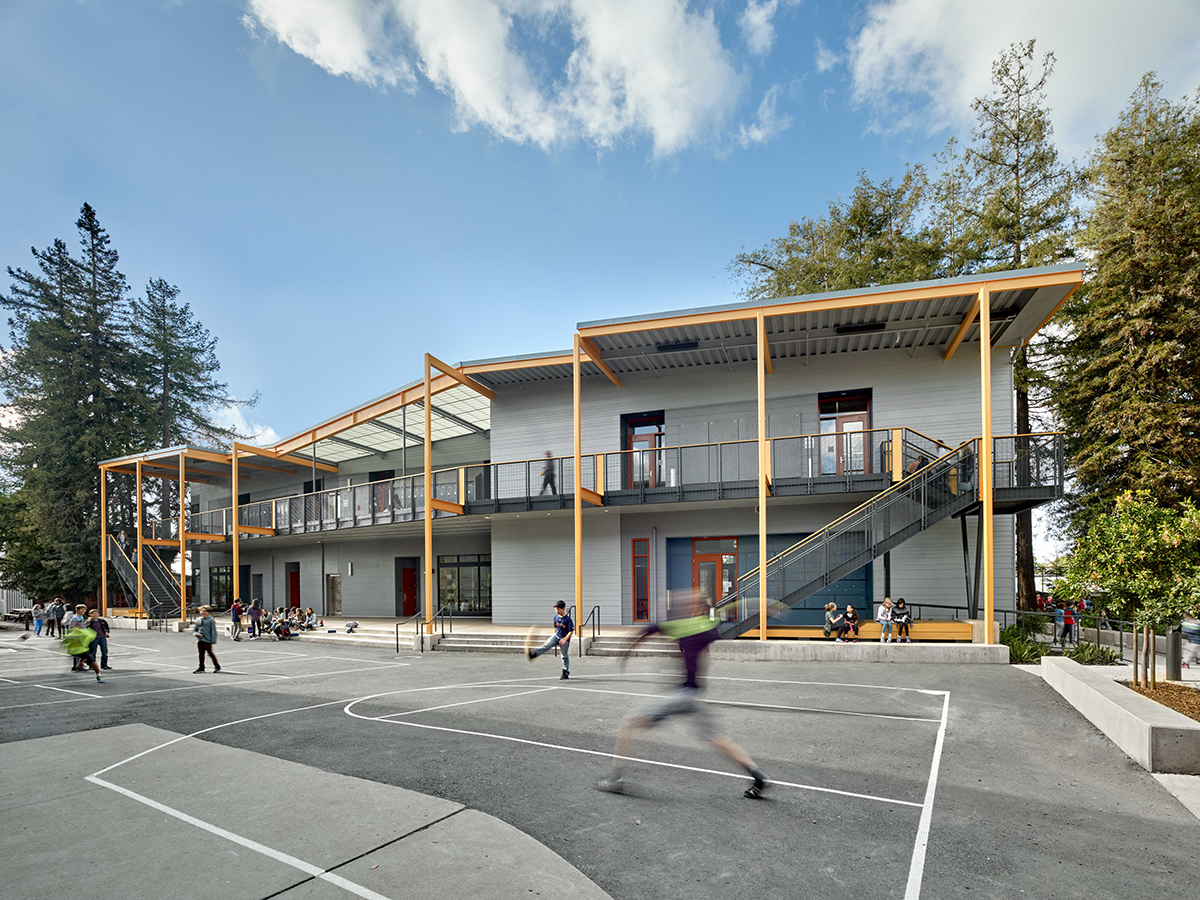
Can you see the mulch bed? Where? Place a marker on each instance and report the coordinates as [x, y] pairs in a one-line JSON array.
[[1178, 697]]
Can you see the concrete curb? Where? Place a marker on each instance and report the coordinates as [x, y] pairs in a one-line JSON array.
[[863, 652], [1155, 737]]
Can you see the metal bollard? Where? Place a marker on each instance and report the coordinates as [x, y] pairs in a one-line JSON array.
[[1174, 656]]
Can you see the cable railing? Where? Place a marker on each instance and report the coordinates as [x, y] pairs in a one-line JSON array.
[[160, 590], [836, 462], [941, 488]]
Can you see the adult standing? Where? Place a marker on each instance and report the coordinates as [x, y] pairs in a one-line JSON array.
[[100, 626], [54, 617], [235, 619], [206, 639]]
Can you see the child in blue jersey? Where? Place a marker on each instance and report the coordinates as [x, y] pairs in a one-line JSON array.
[[693, 635], [564, 628]]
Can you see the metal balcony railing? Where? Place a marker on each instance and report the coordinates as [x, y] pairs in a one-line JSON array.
[[851, 461]]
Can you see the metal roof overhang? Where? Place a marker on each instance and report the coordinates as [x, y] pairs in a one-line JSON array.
[[207, 465], [936, 315]]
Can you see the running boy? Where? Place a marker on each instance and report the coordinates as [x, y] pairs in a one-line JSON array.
[[564, 628], [693, 635]]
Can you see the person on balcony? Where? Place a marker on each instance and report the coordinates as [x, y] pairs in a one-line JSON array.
[[548, 476]]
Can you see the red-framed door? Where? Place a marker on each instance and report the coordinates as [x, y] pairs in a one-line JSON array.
[[844, 447], [714, 569]]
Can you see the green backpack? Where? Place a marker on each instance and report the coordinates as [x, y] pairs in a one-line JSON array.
[[78, 640]]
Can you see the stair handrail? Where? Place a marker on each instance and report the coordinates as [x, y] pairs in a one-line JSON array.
[[907, 481], [440, 617], [594, 618], [404, 622]]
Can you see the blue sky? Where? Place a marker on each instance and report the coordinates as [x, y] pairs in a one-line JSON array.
[[338, 186]]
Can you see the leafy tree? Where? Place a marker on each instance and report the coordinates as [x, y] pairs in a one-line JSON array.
[[1128, 378], [72, 402], [1020, 212], [1144, 559], [875, 237]]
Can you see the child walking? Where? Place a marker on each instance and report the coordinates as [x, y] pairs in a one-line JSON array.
[[206, 638]]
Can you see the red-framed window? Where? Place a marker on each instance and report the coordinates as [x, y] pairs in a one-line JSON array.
[[641, 580]]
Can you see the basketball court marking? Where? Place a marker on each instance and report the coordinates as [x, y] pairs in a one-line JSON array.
[[749, 705], [211, 684], [916, 870], [413, 712], [390, 720]]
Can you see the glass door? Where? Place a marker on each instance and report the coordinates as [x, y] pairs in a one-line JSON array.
[[714, 571], [644, 441], [843, 444]]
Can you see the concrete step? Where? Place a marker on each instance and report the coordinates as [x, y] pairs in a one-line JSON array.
[[358, 639]]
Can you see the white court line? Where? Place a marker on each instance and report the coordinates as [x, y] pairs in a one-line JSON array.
[[917, 870], [650, 762], [413, 712], [749, 705], [876, 687], [65, 691], [213, 684], [262, 849]]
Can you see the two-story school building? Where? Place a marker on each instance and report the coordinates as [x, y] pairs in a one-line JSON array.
[[850, 445]]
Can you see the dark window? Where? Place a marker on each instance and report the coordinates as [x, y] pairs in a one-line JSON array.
[[641, 580], [385, 475], [194, 508], [308, 486], [243, 499], [220, 586], [465, 584], [844, 402]]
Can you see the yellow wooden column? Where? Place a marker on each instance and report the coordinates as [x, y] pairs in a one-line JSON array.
[[141, 599], [236, 587], [985, 461], [182, 539], [103, 541], [762, 476], [429, 569], [577, 414]]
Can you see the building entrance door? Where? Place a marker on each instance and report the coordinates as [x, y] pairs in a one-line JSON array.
[[293, 583], [714, 570], [844, 449], [406, 585], [333, 594]]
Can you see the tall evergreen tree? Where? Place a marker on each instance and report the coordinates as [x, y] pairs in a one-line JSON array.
[[1129, 379], [1022, 211], [180, 366], [69, 383]]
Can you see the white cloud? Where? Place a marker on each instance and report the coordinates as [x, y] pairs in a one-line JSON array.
[[633, 67], [920, 63], [826, 58], [231, 416], [757, 29], [767, 122], [344, 38]]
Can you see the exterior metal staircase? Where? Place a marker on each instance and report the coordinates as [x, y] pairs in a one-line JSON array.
[[1028, 472], [160, 589]]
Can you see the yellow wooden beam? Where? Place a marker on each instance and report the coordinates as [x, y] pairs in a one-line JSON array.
[[428, 441], [140, 526], [161, 542], [201, 536], [961, 331], [591, 496], [761, 368], [446, 506], [465, 380], [875, 298], [593, 353], [577, 416], [103, 541], [256, 529], [183, 604], [985, 461], [372, 410], [234, 465], [514, 365]]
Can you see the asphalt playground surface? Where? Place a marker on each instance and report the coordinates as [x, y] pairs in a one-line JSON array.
[[898, 781]]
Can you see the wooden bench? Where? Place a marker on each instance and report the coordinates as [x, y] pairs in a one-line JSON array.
[[927, 630]]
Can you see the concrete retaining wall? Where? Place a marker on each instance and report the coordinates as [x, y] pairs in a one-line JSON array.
[[1157, 738]]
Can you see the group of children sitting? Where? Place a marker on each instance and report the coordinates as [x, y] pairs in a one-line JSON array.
[[282, 623], [888, 616]]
